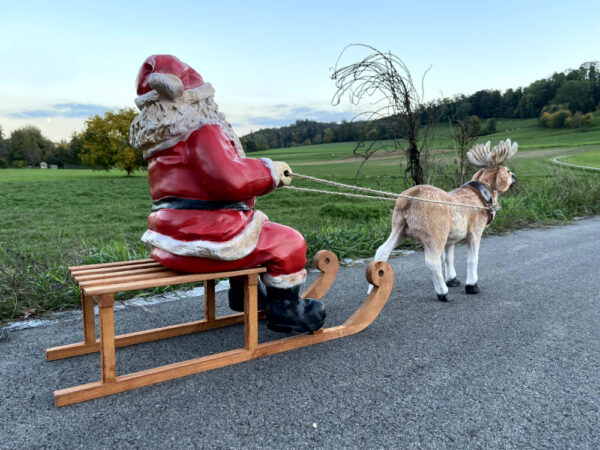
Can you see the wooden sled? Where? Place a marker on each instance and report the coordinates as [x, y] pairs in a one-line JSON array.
[[100, 282]]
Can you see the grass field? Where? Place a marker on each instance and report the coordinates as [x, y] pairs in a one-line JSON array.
[[50, 219]]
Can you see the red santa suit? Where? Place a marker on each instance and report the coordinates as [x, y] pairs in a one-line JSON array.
[[202, 185]]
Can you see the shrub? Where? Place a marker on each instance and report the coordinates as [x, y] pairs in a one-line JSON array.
[[545, 120], [561, 118], [550, 109], [474, 123], [3, 163], [575, 121], [580, 120], [489, 128]]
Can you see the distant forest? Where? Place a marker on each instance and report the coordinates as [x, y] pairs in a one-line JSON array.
[[577, 90]]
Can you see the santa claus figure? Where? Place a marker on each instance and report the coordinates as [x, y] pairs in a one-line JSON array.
[[204, 188]]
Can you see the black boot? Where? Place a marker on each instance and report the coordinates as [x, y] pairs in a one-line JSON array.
[[236, 295], [287, 312]]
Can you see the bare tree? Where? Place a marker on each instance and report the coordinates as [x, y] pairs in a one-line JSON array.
[[386, 76]]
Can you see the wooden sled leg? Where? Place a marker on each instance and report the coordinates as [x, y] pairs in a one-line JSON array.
[[251, 312], [107, 344], [327, 263], [89, 325], [209, 300]]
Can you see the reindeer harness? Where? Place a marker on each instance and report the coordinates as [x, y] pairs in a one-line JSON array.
[[485, 195]]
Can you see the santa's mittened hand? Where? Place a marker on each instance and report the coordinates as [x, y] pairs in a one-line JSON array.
[[284, 173]]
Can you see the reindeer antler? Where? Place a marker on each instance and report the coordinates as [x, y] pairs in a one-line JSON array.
[[479, 155], [482, 156], [503, 152]]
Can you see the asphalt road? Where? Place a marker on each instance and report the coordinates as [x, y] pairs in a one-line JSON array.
[[516, 366]]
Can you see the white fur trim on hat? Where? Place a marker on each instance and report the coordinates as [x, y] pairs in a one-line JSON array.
[[284, 281], [236, 248]]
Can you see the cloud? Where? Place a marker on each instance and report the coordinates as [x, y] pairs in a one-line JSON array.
[[68, 110], [282, 115]]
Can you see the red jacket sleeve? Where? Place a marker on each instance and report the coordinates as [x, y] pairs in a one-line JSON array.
[[222, 172]]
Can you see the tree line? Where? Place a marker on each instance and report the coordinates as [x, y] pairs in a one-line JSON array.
[[563, 99], [103, 144], [28, 147], [575, 90]]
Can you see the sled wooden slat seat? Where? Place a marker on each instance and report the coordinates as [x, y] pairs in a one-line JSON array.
[[134, 262], [100, 282]]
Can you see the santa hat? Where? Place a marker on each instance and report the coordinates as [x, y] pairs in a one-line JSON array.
[[164, 77], [167, 75]]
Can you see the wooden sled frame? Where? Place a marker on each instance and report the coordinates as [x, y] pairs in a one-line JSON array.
[[100, 282]]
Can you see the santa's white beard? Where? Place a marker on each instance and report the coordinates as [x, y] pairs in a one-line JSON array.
[[162, 123]]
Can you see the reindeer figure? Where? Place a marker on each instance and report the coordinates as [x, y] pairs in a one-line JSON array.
[[439, 226]]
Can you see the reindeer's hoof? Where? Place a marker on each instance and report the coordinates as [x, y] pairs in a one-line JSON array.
[[472, 288], [453, 282], [444, 298]]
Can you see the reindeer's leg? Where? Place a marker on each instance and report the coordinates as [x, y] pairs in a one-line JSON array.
[[448, 259], [433, 260], [396, 238], [473, 241]]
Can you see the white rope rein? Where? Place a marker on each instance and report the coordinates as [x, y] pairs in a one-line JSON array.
[[343, 194], [382, 195]]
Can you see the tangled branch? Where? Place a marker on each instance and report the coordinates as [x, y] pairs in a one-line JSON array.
[[386, 76]]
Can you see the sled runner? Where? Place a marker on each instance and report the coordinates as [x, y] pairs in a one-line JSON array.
[[100, 282]]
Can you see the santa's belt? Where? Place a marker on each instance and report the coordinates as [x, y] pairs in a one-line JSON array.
[[189, 203]]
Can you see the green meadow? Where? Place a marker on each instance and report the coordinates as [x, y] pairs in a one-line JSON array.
[[50, 219]]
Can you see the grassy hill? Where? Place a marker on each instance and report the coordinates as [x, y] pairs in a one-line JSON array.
[[526, 132]]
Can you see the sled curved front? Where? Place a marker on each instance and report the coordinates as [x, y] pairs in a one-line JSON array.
[[327, 263], [378, 273]]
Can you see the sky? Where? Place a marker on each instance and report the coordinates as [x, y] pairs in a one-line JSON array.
[[270, 61]]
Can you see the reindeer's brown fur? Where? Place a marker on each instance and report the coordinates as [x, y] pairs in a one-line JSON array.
[[438, 227]]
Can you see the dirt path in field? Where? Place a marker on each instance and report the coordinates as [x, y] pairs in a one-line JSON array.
[[350, 159], [379, 156], [555, 160]]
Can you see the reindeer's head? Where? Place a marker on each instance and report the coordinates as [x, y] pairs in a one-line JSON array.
[[494, 175]]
